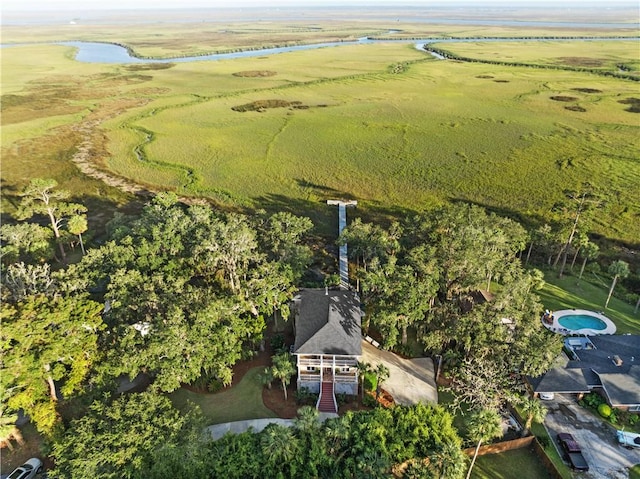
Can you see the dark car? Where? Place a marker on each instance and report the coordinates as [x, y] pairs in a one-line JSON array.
[[572, 452]]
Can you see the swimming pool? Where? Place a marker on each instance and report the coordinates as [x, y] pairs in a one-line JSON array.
[[571, 322], [581, 321]]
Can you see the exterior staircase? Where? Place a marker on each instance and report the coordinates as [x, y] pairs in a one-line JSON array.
[[327, 400]]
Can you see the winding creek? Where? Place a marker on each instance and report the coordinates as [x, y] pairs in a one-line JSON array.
[[95, 52]]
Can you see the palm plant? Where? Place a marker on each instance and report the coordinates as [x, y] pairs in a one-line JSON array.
[[533, 410], [484, 425], [363, 368], [282, 369], [382, 374], [618, 269]]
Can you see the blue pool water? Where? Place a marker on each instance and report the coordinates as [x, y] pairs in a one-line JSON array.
[[581, 321]]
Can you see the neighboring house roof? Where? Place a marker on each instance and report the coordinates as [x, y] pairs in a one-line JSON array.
[[610, 361], [561, 380], [328, 322], [623, 389]]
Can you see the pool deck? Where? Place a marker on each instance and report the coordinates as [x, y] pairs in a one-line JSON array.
[[556, 327]]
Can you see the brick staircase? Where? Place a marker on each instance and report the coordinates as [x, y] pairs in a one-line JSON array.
[[326, 402]]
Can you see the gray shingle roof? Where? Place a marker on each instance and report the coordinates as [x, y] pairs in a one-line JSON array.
[[596, 367], [623, 389], [328, 322], [561, 380]]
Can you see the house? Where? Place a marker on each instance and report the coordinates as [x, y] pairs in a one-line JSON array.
[[608, 364], [328, 343]]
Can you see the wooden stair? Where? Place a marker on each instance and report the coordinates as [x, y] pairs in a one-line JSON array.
[[327, 400]]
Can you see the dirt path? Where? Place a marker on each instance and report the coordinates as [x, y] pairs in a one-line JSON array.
[[92, 151]]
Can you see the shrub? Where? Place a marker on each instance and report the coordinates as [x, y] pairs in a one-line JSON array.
[[592, 400], [369, 400], [544, 441], [214, 385], [370, 381], [604, 410], [304, 397], [277, 343]]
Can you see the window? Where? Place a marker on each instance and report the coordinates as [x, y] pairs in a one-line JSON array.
[[311, 368]]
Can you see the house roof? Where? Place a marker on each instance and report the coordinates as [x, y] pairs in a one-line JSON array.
[[600, 358], [328, 322], [623, 389], [613, 364], [560, 380]]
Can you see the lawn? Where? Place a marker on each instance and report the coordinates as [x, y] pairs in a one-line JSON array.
[[634, 472], [521, 463], [243, 401], [569, 293]]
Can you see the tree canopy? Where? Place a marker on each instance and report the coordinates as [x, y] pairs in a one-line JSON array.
[[437, 279], [47, 340], [121, 438], [187, 289]]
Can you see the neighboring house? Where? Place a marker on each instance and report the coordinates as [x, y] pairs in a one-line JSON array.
[[328, 343], [608, 364]]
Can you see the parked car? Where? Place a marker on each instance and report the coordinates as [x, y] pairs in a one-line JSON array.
[[572, 452], [629, 440], [28, 470]]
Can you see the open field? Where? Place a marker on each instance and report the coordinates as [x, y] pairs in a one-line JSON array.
[[603, 56], [384, 123]]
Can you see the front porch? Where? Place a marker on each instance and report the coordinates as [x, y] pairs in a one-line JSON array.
[[341, 371]]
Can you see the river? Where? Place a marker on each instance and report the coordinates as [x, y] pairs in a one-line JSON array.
[[94, 52]]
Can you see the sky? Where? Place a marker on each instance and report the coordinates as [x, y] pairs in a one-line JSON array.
[[84, 5]]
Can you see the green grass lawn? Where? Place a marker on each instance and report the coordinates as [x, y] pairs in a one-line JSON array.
[[540, 431], [569, 293], [634, 472], [241, 402], [519, 463]]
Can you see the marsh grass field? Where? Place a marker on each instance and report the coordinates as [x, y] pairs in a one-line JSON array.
[[384, 123]]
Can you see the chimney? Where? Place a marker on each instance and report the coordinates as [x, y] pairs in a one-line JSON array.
[[617, 360]]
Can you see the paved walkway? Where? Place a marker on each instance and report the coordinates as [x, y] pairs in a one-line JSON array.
[[410, 380], [606, 458]]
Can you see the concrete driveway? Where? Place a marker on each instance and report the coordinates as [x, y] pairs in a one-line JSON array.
[[606, 458], [410, 380]]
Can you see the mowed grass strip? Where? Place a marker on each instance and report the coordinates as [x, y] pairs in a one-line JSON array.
[[242, 401]]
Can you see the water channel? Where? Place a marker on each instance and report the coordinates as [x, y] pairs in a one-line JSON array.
[[94, 52]]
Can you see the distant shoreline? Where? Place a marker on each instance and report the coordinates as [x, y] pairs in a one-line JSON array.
[[589, 15]]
